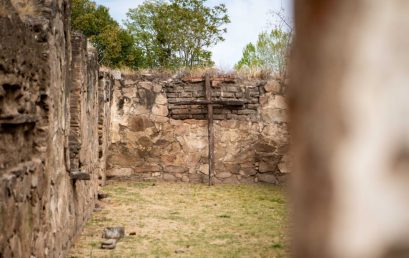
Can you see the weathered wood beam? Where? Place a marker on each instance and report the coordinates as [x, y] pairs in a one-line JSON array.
[[79, 175], [215, 81], [17, 119], [210, 126], [214, 102]]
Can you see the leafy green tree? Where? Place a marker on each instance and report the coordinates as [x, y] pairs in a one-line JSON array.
[[115, 46], [89, 18], [177, 33], [269, 53]]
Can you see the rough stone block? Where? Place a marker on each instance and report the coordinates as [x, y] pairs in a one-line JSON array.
[[285, 165], [204, 169], [108, 244], [227, 95], [265, 147], [274, 115], [120, 172], [160, 110], [231, 180], [148, 168], [181, 117], [251, 171], [267, 178], [195, 178], [157, 88], [175, 169], [273, 87], [145, 85], [169, 177], [223, 175], [197, 116], [185, 179], [114, 232], [266, 167], [161, 99], [219, 116], [139, 123], [246, 112], [181, 111]]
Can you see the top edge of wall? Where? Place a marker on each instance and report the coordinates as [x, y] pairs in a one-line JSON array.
[[168, 75]]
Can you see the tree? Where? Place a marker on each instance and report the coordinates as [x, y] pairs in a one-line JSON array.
[[177, 33], [271, 49], [115, 46], [269, 53]]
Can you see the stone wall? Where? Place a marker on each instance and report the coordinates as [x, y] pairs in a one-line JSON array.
[[49, 128], [149, 141], [105, 91], [223, 88]]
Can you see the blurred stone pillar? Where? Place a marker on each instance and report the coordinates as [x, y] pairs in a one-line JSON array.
[[349, 102]]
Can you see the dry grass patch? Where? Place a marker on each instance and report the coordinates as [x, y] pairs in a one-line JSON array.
[[185, 220]]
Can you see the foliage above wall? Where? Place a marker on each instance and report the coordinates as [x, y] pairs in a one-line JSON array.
[[270, 52], [115, 45], [177, 33]]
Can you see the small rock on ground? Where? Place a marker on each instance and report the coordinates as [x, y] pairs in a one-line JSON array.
[[114, 232], [108, 244], [102, 196]]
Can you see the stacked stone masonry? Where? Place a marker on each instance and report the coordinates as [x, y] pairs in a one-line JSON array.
[[225, 88], [154, 137], [60, 116], [52, 122]]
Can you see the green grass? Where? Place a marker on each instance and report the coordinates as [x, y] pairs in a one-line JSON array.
[[186, 220]]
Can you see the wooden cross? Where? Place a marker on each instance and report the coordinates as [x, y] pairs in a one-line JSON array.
[[210, 102]]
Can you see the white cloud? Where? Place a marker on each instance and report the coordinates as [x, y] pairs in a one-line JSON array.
[[248, 19]]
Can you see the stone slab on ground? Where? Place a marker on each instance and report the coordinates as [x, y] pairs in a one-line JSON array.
[[114, 232]]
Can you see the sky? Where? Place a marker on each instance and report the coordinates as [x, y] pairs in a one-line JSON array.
[[248, 18]]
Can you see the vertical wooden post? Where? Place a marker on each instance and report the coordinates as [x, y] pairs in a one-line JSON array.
[[210, 126]]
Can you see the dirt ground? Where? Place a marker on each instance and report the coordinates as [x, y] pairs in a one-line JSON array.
[[189, 220]]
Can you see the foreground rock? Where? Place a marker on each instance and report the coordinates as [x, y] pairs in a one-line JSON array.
[[112, 235], [109, 244]]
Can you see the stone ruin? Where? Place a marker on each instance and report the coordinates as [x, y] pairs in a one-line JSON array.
[[54, 130], [154, 137], [66, 126]]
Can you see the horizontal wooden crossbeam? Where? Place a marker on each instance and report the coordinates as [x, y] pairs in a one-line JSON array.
[[214, 102], [209, 102], [215, 81], [17, 119], [79, 175]]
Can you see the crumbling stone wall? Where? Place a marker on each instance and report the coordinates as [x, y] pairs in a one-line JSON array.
[[152, 137], [105, 91], [223, 88], [41, 207]]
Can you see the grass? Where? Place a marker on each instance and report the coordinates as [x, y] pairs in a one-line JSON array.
[[186, 220]]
